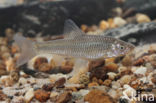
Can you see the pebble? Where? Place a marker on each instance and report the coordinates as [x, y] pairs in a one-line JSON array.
[[66, 69], [64, 97], [95, 64], [14, 49], [142, 18], [111, 67], [84, 28], [10, 65], [3, 41], [22, 81], [29, 95], [139, 62], [2, 96], [3, 70], [111, 75], [84, 79], [125, 79], [115, 85], [45, 67], [18, 99], [154, 78], [141, 71], [93, 84], [119, 21], [113, 93], [128, 91], [6, 56], [99, 73], [111, 23], [4, 49], [53, 96], [103, 25], [126, 72], [48, 87], [52, 63], [9, 33], [109, 60], [39, 61], [6, 80], [127, 61], [14, 75], [60, 83], [107, 82], [42, 95], [98, 96]]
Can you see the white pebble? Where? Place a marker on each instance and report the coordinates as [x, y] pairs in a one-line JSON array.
[[22, 81], [111, 75], [29, 95], [119, 21], [141, 71]]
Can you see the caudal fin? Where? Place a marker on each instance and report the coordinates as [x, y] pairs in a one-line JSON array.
[[27, 49]]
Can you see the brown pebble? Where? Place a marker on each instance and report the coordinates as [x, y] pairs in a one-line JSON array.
[[99, 73], [68, 63], [107, 82], [93, 84], [67, 66], [3, 70], [64, 97], [66, 69], [95, 64], [84, 28], [111, 67], [44, 67], [60, 83], [98, 96], [2, 96], [154, 78], [126, 72], [42, 95], [94, 79], [100, 82], [48, 87], [139, 62], [127, 61], [39, 61]]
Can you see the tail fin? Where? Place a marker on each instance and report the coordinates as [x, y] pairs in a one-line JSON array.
[[27, 49]]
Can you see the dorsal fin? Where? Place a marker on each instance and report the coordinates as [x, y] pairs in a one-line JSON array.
[[71, 30]]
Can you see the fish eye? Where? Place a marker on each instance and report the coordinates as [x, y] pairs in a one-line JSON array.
[[121, 47]]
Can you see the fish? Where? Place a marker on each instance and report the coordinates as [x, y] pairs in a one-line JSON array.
[[75, 44]]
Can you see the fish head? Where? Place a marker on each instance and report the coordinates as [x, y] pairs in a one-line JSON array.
[[120, 48]]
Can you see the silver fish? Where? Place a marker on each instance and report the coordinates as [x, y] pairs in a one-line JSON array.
[[75, 44]]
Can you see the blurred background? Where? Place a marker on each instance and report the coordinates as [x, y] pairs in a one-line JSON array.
[[47, 17]]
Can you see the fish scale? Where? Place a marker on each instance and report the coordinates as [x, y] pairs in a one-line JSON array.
[[86, 46]]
